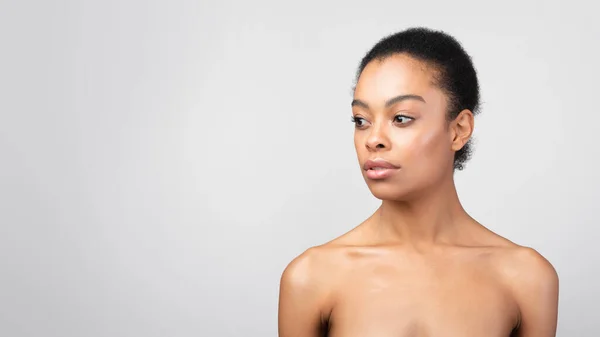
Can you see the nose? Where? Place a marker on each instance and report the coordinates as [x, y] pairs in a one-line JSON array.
[[378, 138]]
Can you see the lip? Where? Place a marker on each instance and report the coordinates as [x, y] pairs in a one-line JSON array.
[[384, 168]]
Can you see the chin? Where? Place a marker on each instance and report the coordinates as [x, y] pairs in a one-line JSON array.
[[389, 190]]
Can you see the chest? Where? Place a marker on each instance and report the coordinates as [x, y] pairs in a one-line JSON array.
[[431, 302]]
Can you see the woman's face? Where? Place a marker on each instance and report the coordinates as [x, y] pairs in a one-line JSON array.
[[400, 117]]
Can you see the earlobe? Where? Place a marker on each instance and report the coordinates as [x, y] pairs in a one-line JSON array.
[[457, 142]]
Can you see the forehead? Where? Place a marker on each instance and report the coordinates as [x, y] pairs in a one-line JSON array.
[[395, 75]]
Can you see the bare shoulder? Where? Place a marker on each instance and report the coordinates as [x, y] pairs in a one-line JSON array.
[[525, 267], [518, 264], [317, 266], [533, 283], [305, 292], [311, 272], [305, 268]]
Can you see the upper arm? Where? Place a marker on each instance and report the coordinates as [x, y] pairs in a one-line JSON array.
[[300, 298], [536, 289]]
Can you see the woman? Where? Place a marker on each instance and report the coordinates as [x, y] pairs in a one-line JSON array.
[[420, 265]]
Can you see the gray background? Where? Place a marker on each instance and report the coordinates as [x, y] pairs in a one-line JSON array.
[[162, 161]]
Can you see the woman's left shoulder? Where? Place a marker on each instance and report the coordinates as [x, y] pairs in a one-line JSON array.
[[526, 268]]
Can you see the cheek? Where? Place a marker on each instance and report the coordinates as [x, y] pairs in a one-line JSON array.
[[428, 147]]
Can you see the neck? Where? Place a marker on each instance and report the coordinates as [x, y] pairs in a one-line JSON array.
[[434, 216]]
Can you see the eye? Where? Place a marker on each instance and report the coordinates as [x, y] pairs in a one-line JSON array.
[[403, 119], [358, 121]]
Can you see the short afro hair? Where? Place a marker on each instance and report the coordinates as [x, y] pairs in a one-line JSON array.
[[456, 75]]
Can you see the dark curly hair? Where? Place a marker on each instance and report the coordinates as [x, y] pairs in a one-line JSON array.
[[455, 73]]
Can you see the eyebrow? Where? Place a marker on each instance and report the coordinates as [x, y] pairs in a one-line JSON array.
[[389, 102]]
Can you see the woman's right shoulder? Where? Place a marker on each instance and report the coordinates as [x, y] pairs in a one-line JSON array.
[[314, 267], [306, 293]]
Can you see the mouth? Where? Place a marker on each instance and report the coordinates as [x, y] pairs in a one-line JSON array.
[[379, 169]]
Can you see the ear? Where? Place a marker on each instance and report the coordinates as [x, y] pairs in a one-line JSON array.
[[461, 129]]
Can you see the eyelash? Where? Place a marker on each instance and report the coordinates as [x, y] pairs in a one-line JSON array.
[[355, 119]]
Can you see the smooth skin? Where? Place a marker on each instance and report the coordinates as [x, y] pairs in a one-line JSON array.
[[420, 265]]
